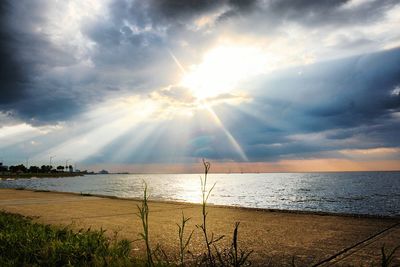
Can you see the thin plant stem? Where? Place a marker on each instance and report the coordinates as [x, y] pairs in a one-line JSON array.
[[205, 195], [182, 242], [144, 217]]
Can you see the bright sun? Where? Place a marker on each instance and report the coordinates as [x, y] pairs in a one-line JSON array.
[[221, 69]]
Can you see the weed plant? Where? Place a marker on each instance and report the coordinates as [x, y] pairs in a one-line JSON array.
[[143, 214], [183, 243], [236, 256], [25, 243], [210, 241]]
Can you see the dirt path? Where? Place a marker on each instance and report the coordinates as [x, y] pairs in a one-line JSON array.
[[273, 236]]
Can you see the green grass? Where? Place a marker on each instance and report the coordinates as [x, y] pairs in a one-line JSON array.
[[26, 243]]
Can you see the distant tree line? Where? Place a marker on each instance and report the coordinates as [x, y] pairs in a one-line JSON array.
[[35, 169]]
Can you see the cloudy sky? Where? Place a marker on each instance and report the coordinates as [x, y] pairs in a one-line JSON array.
[[260, 85]]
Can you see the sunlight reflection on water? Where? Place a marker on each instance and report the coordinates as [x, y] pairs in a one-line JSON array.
[[354, 192]]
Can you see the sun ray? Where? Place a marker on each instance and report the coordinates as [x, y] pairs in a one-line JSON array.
[[139, 135], [12, 135], [106, 123], [236, 146], [177, 62], [230, 137]]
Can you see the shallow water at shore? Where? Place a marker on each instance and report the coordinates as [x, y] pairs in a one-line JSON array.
[[374, 193]]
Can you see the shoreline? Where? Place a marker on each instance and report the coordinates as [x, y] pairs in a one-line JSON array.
[[161, 201]]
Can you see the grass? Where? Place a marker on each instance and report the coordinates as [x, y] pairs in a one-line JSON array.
[[205, 194], [183, 242], [144, 217], [26, 243]]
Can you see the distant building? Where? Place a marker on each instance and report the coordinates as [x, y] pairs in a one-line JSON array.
[[103, 172]]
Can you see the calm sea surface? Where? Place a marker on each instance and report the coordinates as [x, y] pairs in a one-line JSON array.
[[376, 193]]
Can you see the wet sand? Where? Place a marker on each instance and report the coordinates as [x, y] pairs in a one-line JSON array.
[[274, 236]]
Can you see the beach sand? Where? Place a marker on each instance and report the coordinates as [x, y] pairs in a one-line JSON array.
[[274, 236]]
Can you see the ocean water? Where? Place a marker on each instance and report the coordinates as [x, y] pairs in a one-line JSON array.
[[373, 193]]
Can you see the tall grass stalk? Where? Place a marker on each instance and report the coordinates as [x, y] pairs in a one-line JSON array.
[[238, 256], [209, 240], [183, 244], [144, 217]]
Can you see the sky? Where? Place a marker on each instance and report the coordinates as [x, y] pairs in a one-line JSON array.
[[157, 85]]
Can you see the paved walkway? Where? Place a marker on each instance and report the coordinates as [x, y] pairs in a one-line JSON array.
[[275, 237]]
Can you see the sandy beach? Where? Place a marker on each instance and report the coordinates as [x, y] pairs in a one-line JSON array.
[[274, 236]]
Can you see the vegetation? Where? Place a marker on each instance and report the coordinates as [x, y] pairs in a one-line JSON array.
[[183, 244], [205, 195], [20, 171], [144, 217], [32, 169], [39, 175], [25, 243], [235, 256]]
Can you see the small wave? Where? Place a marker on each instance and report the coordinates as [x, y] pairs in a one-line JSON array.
[[304, 189], [355, 198]]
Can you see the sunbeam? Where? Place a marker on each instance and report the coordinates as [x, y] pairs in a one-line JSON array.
[[132, 141], [11, 135], [118, 117], [182, 69], [230, 137]]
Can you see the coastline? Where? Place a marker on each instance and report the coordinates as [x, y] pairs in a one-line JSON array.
[[274, 236], [305, 212], [161, 201]]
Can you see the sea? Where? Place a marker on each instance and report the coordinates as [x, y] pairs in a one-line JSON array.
[[360, 193]]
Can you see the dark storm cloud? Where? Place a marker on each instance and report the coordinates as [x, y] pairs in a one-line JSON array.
[[274, 16], [146, 29], [173, 8], [131, 47], [11, 72], [26, 57], [332, 12]]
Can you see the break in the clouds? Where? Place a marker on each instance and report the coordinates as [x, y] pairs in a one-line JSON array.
[[172, 81]]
